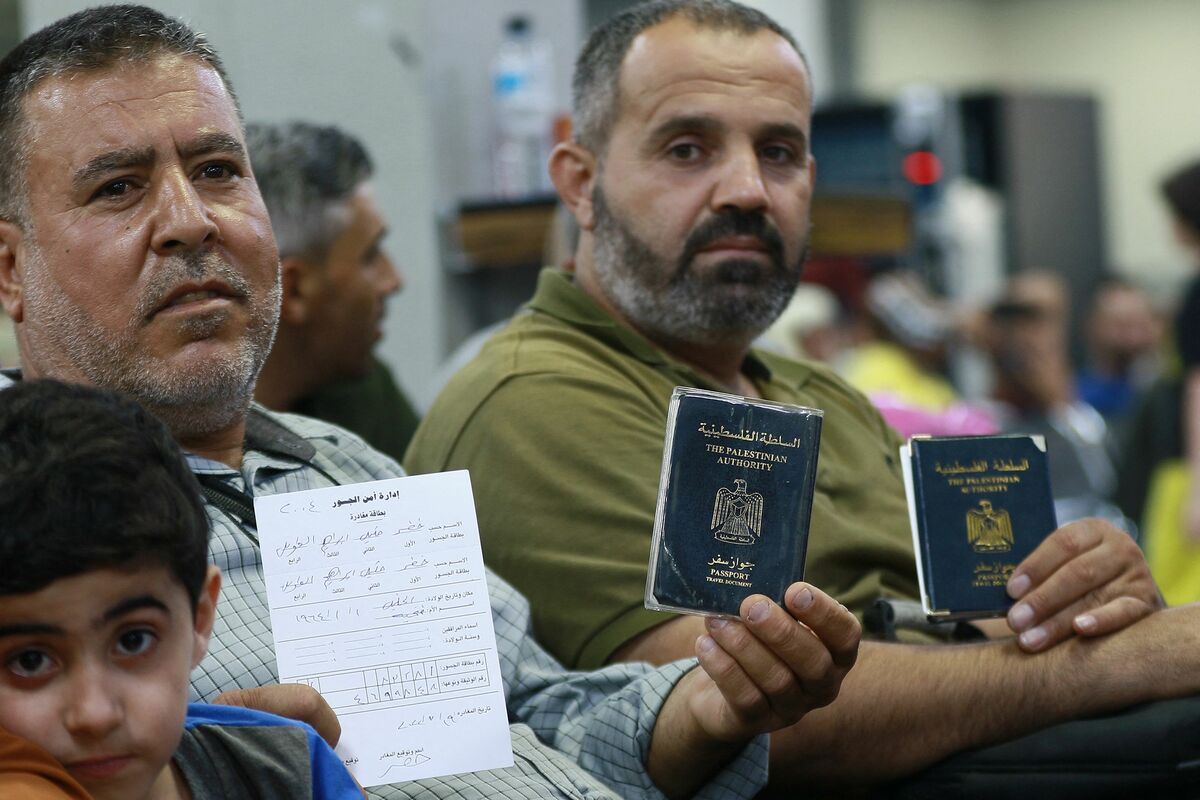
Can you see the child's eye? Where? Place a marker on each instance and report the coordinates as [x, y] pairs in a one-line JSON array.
[[135, 642], [30, 664]]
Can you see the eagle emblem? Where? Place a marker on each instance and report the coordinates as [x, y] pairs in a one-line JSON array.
[[989, 530], [737, 516]]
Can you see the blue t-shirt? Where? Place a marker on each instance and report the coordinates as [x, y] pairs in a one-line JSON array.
[[233, 752]]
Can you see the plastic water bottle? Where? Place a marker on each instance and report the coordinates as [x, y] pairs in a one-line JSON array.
[[523, 105]]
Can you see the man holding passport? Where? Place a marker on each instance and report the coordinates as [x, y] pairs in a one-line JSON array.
[[691, 179]]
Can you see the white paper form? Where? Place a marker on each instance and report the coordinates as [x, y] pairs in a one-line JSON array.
[[379, 601]]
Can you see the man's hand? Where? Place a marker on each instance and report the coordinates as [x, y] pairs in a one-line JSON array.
[[1087, 578], [291, 700], [757, 674], [764, 671]]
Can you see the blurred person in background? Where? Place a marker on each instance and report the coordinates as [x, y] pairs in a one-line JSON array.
[[902, 366], [1182, 192], [1123, 334], [1160, 464], [337, 277], [814, 326], [1034, 393]]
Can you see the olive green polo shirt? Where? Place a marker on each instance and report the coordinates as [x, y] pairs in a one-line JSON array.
[[560, 420]]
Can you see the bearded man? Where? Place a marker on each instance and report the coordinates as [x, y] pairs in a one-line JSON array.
[[691, 180]]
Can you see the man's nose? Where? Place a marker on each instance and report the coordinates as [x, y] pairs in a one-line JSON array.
[[93, 708], [740, 182], [183, 220], [390, 279]]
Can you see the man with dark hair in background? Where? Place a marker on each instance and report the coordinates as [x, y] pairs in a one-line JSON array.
[[691, 180], [136, 255], [1182, 193], [1123, 335], [336, 278], [1159, 476]]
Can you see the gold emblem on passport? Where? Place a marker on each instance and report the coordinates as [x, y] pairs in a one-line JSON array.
[[737, 516], [989, 530]]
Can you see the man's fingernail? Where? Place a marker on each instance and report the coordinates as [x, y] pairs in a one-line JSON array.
[[804, 599], [706, 644], [1085, 623], [759, 611], [1018, 585], [716, 623], [1020, 617], [1034, 638]]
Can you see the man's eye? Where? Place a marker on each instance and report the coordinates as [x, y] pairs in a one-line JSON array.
[[30, 664], [216, 172], [778, 154], [135, 642], [685, 151], [115, 188]]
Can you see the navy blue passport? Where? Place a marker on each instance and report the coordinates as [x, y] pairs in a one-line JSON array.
[[734, 500], [978, 506]]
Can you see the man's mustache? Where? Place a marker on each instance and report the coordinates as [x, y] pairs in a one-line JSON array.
[[729, 223], [193, 267]]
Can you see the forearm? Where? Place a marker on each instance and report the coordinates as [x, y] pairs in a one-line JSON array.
[[681, 758], [903, 708]]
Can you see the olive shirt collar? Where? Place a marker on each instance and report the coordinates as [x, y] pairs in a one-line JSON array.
[[559, 296]]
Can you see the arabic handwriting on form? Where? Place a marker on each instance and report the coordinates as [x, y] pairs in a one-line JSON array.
[[291, 508], [292, 546]]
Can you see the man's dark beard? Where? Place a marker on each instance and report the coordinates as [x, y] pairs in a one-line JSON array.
[[737, 300], [728, 223]]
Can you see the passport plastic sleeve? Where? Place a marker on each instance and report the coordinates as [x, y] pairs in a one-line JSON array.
[[978, 505], [734, 500]]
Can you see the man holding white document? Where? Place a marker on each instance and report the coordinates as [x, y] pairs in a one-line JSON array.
[[136, 254]]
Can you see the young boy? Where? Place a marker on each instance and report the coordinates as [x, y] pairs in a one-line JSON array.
[[106, 605]]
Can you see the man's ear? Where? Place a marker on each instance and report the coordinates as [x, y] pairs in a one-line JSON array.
[[12, 272], [573, 170], [206, 613], [299, 290]]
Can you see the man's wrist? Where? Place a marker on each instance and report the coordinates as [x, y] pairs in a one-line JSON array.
[[684, 754]]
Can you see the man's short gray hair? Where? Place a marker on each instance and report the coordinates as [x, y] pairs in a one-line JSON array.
[[306, 174], [596, 86], [88, 41]]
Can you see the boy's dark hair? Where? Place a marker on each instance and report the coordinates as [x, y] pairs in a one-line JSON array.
[[90, 480], [87, 41]]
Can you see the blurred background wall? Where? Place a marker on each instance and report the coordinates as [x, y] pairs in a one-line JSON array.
[[1138, 58]]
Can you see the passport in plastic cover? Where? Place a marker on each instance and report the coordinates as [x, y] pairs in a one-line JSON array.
[[978, 505], [734, 501]]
